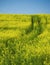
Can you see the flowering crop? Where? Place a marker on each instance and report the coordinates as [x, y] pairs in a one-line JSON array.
[[24, 39]]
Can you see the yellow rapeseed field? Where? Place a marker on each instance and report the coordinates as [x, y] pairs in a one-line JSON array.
[[24, 39]]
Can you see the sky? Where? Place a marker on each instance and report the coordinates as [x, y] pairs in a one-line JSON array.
[[24, 6]]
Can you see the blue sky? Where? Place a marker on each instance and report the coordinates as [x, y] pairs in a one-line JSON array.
[[24, 6]]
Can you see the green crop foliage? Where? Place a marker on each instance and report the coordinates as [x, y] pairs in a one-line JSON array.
[[24, 39]]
